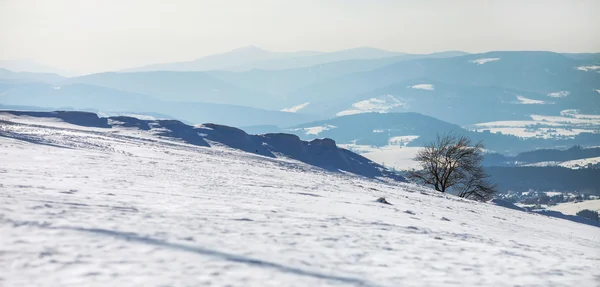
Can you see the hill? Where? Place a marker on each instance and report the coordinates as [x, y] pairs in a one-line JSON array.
[[561, 179], [10, 77], [414, 129], [283, 81], [29, 66], [93, 204], [176, 86], [543, 155], [461, 104], [318, 59], [535, 80], [248, 58], [321, 153]]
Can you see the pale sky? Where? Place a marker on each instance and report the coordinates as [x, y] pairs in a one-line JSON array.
[[91, 36]]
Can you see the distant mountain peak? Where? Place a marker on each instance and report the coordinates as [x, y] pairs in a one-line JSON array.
[[250, 48], [366, 48]]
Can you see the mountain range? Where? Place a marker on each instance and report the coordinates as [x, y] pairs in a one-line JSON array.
[[251, 57], [300, 90]]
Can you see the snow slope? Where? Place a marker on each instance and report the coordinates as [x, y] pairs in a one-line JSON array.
[[123, 207]]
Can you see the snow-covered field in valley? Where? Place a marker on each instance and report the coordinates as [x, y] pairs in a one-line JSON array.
[[121, 207], [569, 124], [574, 207], [391, 156]]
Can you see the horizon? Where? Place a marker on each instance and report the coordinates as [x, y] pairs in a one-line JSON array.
[[76, 36], [74, 73]]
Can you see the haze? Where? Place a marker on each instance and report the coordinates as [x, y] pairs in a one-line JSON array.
[[93, 36]]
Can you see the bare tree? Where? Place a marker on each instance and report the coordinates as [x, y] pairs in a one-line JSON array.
[[451, 163]]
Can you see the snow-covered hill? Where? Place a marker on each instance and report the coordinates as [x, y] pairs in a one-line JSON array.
[[322, 153], [124, 206]]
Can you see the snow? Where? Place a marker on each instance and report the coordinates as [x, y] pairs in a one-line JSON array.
[[484, 60], [572, 208], [350, 112], [560, 94], [380, 104], [527, 101], [49, 122], [544, 163], [574, 113], [404, 140], [588, 68], [391, 156], [428, 87], [576, 119], [84, 207], [569, 112], [296, 108], [573, 164], [137, 116], [569, 124], [546, 133], [398, 158], [553, 193], [318, 129], [511, 124], [580, 163]]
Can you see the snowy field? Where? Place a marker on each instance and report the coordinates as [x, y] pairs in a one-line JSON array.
[[569, 124], [573, 164], [119, 207], [390, 156], [381, 104], [573, 207]]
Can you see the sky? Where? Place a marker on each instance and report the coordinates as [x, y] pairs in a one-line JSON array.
[[91, 36]]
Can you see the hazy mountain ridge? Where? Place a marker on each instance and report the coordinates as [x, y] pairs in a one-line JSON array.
[[247, 58], [540, 73], [461, 89], [284, 81], [220, 61], [12, 77], [176, 86], [29, 66], [460, 104], [364, 53], [101, 99]]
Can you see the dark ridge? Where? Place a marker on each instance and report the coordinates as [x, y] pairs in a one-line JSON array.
[[85, 119], [179, 130], [233, 138], [130, 122]]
